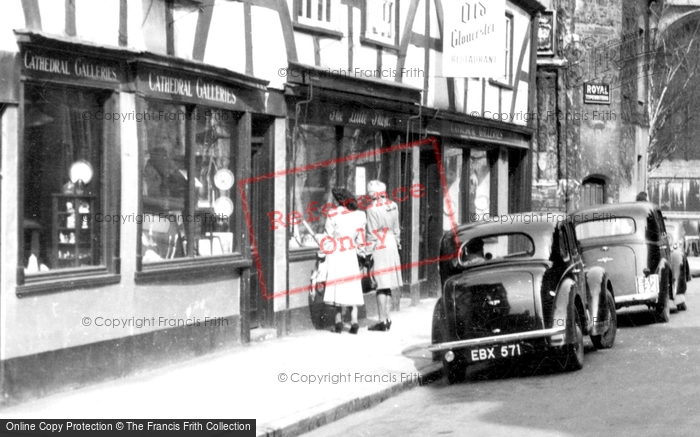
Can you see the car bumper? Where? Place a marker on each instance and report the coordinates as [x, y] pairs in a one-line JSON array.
[[636, 299], [485, 341]]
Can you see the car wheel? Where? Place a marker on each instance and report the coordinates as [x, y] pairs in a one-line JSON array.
[[606, 340], [455, 371], [662, 312], [573, 359], [438, 329]]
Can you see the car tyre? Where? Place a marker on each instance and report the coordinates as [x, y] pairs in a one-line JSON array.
[[573, 357], [662, 312], [606, 340], [455, 371], [438, 328]]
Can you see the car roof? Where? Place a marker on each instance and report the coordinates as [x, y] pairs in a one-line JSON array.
[[531, 223], [635, 210]]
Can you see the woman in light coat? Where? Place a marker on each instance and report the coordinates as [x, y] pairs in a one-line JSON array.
[[384, 231], [342, 246]]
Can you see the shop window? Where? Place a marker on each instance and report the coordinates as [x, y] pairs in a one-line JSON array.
[[312, 187], [380, 20], [479, 184], [318, 13], [64, 181], [453, 176], [187, 183], [314, 144]]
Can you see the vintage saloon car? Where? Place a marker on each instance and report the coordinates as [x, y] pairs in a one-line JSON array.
[[509, 289], [629, 240]]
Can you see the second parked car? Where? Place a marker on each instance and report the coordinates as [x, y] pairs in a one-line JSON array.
[[630, 241]]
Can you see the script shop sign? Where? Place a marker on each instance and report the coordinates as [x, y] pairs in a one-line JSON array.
[[474, 43]]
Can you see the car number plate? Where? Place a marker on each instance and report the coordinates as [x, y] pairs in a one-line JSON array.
[[494, 352], [648, 284]]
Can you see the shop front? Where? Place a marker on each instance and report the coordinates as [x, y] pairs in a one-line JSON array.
[[485, 166], [126, 244], [355, 131]]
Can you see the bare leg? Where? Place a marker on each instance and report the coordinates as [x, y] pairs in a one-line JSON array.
[[381, 305], [339, 315], [353, 314]]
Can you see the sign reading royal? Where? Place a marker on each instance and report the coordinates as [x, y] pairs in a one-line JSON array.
[[474, 44], [596, 93]]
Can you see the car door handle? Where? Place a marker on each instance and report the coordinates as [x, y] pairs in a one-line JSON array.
[[576, 270]]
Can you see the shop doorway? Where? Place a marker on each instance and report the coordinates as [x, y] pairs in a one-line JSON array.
[[430, 224], [260, 202]]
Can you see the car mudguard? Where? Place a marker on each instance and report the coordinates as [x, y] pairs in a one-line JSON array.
[[596, 283], [563, 313], [665, 272]]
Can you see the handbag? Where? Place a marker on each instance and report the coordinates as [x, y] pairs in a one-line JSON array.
[[319, 277], [369, 282]]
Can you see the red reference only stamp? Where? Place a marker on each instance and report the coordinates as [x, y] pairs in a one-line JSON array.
[[313, 211]]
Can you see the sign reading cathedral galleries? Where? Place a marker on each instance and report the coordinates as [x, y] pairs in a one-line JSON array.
[[474, 42]]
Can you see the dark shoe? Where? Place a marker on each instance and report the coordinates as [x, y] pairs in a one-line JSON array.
[[388, 325], [381, 326], [354, 328], [338, 328]]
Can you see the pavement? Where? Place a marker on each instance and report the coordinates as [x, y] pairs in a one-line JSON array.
[[290, 385]]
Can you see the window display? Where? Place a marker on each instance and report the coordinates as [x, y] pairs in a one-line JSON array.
[[63, 177], [183, 218]]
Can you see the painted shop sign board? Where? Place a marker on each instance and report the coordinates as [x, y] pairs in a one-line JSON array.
[[596, 93], [59, 65], [472, 30], [196, 88]]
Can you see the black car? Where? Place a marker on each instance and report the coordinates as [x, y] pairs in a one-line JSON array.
[[629, 240], [517, 288]]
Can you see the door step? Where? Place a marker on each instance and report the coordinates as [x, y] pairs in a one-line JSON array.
[[262, 334]]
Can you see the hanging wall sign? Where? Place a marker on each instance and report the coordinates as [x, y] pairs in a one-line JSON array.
[[598, 93], [474, 43]]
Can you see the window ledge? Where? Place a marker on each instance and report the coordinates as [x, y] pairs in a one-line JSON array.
[[320, 31], [501, 84], [177, 270], [57, 282], [364, 40]]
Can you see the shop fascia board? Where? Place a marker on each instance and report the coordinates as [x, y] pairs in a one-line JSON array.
[[377, 88], [60, 43], [462, 118]]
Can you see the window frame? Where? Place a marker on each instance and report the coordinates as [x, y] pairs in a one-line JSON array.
[[507, 80], [108, 272], [368, 38], [314, 25], [179, 268]]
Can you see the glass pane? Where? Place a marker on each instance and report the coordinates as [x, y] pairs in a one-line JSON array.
[[453, 176], [479, 183], [496, 247], [360, 171], [62, 178], [312, 188], [607, 227], [164, 183], [214, 182]]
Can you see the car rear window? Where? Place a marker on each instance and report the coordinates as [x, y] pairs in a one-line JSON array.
[[608, 227], [496, 247]]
